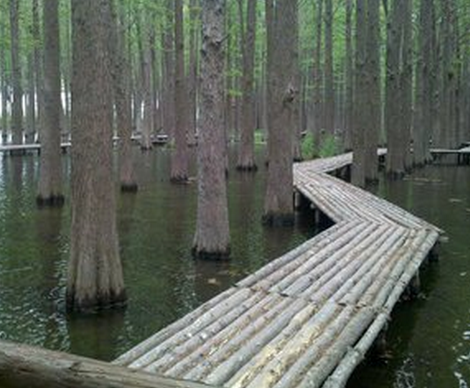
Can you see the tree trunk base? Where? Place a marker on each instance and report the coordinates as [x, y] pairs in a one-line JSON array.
[[278, 220], [298, 159], [51, 201], [179, 180], [145, 148], [396, 175], [201, 254], [100, 302], [129, 187], [252, 167]]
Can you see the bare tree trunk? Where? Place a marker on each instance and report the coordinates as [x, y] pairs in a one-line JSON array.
[[349, 80], [17, 106], [358, 176], [329, 77], [3, 83], [95, 274], [278, 204], [145, 140], [296, 122], [212, 237], [374, 104], [193, 71], [179, 159], [318, 82], [123, 103], [50, 176], [30, 102], [246, 158], [169, 72]]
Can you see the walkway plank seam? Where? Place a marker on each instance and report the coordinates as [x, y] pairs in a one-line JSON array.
[[307, 318]]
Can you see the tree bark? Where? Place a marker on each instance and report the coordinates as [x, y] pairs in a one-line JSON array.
[[349, 78], [169, 73], [17, 106], [318, 82], [329, 77], [179, 159], [50, 174], [193, 71], [26, 366], [212, 237], [278, 204], [374, 104], [3, 83], [123, 103], [358, 173], [296, 122], [95, 274], [38, 68], [246, 158]]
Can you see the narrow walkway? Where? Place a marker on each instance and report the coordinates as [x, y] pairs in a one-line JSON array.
[[307, 318]]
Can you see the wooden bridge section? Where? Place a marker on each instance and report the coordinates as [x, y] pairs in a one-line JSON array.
[[308, 318]]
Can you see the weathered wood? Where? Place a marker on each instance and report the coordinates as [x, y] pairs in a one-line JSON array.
[[26, 366]]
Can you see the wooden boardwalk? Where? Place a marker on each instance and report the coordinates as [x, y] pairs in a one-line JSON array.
[[307, 318], [462, 153]]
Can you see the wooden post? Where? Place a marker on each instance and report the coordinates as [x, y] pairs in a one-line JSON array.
[[26, 366]]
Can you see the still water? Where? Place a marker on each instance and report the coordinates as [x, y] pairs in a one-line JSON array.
[[429, 339]]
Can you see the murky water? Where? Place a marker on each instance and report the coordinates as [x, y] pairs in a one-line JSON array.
[[156, 229], [429, 338]]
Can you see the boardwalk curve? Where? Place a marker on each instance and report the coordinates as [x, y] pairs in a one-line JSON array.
[[307, 318]]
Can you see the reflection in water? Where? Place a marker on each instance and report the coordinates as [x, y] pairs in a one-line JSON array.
[[429, 338]]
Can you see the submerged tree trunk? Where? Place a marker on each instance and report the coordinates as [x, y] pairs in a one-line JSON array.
[[17, 106], [179, 159], [212, 238], [123, 103], [50, 176], [95, 274], [246, 158], [278, 204]]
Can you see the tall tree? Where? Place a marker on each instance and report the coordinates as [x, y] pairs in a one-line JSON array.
[[212, 237], [246, 158], [349, 78], [168, 98], [147, 89], [329, 75], [95, 274], [50, 177], [194, 16], [179, 160], [123, 103], [373, 104], [318, 79], [17, 106], [296, 122], [38, 66], [278, 206]]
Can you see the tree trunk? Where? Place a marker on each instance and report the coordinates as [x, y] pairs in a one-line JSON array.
[[169, 73], [123, 103], [3, 83], [38, 68], [329, 77], [95, 274], [246, 158], [17, 106], [145, 139], [26, 366], [278, 204], [30, 102], [374, 104], [358, 176], [349, 80], [179, 159], [296, 122], [50, 175], [318, 82], [193, 71], [212, 237]]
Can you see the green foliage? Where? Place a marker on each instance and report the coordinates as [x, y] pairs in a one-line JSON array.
[[329, 147], [308, 147]]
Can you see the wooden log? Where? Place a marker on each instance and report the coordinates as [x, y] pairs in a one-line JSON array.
[[24, 366]]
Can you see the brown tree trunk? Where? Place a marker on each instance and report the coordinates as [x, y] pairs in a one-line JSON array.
[[296, 122], [318, 81], [168, 72], [193, 71], [246, 158], [123, 103], [349, 79], [17, 106], [329, 77], [95, 274], [179, 159], [3, 83], [374, 105], [212, 237], [358, 176], [50, 175], [38, 68], [30, 102], [145, 139], [278, 204]]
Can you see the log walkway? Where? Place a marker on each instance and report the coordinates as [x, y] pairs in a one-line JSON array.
[[308, 318], [462, 153]]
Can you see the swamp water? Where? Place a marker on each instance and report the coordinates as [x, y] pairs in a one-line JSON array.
[[429, 338]]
